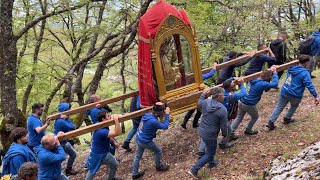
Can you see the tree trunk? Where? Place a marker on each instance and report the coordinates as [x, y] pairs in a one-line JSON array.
[[8, 70]]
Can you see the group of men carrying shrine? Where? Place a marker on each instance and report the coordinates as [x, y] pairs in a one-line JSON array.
[[34, 154]]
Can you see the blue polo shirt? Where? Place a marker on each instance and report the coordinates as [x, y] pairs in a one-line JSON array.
[[100, 141], [34, 137]]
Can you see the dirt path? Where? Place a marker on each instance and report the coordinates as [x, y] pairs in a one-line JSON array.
[[246, 160]]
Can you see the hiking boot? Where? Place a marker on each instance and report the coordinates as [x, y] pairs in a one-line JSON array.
[[287, 121], [251, 132], [233, 137], [226, 146], [194, 175], [139, 175], [71, 172], [200, 154], [214, 164], [163, 167], [126, 146], [195, 125], [271, 126], [183, 126]]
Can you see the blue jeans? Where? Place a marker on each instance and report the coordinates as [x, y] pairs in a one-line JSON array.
[[132, 132], [243, 109], [63, 177], [139, 152], [202, 147], [225, 140], [68, 148], [282, 102], [211, 147], [111, 162]]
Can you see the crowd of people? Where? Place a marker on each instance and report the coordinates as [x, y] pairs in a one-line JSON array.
[[37, 155]]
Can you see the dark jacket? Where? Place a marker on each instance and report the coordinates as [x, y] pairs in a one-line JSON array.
[[257, 63], [227, 72], [279, 49], [298, 78], [214, 118], [134, 106]]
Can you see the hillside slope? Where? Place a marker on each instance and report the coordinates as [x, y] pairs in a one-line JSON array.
[[246, 160]]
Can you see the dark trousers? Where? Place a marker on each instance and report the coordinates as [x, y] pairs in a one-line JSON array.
[[196, 117], [277, 63]]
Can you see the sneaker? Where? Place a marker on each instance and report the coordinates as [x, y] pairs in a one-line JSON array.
[[139, 175], [271, 126], [233, 137], [194, 175], [126, 146], [183, 126], [287, 121], [226, 146], [71, 172], [163, 167], [200, 154], [251, 132], [214, 164]]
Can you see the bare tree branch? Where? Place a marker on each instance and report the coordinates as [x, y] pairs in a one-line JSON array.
[[37, 20]]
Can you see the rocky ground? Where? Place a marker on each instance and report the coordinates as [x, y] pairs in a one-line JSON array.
[[248, 159], [305, 165]]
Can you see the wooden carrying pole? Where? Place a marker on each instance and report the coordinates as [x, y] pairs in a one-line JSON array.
[[92, 105], [233, 61], [141, 112], [129, 95]]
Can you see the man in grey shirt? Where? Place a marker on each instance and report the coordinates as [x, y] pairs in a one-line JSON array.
[[214, 118]]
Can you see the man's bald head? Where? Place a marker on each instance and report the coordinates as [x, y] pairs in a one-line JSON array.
[[94, 98], [48, 142]]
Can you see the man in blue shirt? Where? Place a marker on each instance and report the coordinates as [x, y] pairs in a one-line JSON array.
[[50, 156], [100, 148], [134, 106], [315, 52], [64, 124], [36, 129], [18, 152], [145, 135], [257, 62], [298, 78], [198, 114], [93, 113], [214, 119], [248, 104]]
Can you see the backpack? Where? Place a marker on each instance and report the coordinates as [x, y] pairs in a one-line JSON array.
[[234, 109], [305, 46]]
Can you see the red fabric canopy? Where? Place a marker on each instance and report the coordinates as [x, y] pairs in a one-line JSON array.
[[148, 26]]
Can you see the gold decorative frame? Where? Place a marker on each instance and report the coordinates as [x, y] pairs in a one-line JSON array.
[[171, 26]]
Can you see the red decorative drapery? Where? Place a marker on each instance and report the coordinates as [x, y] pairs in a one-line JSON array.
[[148, 26]]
